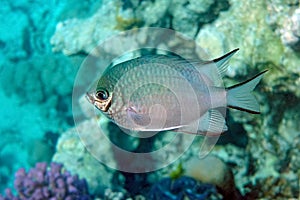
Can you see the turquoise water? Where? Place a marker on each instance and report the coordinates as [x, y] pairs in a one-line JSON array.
[[45, 46]]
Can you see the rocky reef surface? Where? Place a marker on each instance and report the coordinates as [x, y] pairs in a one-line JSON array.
[[259, 152]]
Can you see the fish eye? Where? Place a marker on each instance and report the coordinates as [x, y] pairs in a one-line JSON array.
[[102, 95]]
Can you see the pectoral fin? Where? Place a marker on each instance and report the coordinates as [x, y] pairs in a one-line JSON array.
[[136, 118], [154, 121]]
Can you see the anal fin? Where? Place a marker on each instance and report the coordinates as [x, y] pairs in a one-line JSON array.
[[211, 123]]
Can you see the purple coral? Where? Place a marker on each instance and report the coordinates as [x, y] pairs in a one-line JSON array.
[[52, 183]]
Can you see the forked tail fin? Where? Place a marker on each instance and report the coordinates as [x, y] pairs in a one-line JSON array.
[[239, 96]]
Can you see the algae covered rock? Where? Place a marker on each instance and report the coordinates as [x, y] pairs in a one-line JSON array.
[[75, 35], [290, 34], [72, 152], [252, 28], [83, 35], [213, 170]]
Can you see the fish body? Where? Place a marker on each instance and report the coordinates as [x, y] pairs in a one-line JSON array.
[[165, 92]]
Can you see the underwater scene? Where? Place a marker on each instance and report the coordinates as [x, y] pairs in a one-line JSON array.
[[149, 99]]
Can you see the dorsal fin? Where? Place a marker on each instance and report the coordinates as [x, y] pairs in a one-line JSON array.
[[222, 62], [215, 69]]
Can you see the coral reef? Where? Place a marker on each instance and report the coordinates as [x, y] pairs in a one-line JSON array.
[[73, 154], [185, 16], [182, 188], [36, 89], [48, 183], [36, 110], [260, 35], [290, 34], [18, 134], [271, 135], [88, 32], [36, 85], [114, 195]]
